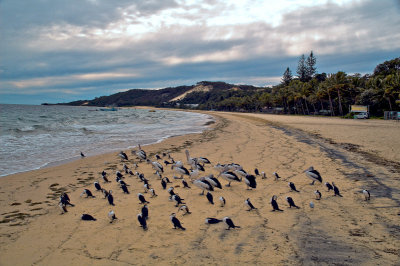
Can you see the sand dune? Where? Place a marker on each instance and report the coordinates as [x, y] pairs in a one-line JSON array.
[[339, 230]]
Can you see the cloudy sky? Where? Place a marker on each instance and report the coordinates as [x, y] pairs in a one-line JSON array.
[[59, 51]]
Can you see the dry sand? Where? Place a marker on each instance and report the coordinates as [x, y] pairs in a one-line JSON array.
[[338, 231]]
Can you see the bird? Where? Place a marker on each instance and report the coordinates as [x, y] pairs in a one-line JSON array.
[[142, 199], [230, 176], [256, 171], [118, 174], [104, 176], [88, 193], [276, 175], [124, 188], [210, 198], [82, 155], [291, 203], [250, 181], [203, 185], [185, 209], [171, 191], [163, 184], [65, 200], [185, 184], [274, 204], [178, 200], [111, 216], [249, 204], [110, 198], [145, 212], [97, 186], [241, 172], [152, 192], [123, 156], [176, 222], [213, 181], [263, 175], [313, 175], [181, 170], [212, 221], [293, 187], [336, 190], [228, 221], [366, 194], [222, 200], [329, 186], [142, 221], [87, 217], [191, 161], [146, 187], [156, 166], [318, 195], [203, 160]]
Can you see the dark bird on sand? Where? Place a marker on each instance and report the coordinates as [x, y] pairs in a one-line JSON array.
[[176, 222]]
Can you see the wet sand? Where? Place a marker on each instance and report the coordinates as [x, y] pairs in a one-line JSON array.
[[338, 231]]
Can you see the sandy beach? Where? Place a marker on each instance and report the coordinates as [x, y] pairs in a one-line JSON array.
[[346, 230]]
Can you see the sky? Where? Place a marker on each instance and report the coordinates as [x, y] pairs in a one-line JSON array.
[[60, 51]]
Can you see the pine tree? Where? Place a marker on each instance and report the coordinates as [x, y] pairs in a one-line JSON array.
[[311, 70], [287, 77], [302, 69]]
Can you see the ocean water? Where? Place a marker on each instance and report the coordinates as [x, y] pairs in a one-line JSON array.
[[33, 136]]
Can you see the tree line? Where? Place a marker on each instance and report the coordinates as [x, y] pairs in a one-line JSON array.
[[311, 93]]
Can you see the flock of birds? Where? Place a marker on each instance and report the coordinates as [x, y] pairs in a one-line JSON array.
[[231, 172]]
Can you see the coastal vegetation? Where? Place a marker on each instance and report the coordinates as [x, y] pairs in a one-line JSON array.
[[308, 93]]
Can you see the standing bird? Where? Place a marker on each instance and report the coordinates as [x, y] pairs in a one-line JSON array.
[[329, 186], [88, 193], [293, 187], [152, 193], [145, 212], [82, 155], [142, 199], [176, 222], [213, 181], [142, 221], [123, 156], [222, 200], [181, 170], [263, 175], [111, 216], [156, 166], [87, 217], [317, 194], [274, 204], [210, 198], [276, 175], [228, 221], [250, 181], [249, 204], [163, 184], [185, 184], [256, 171], [212, 221], [291, 202], [203, 185], [336, 190], [97, 186], [178, 200], [230, 176], [171, 191], [366, 194], [313, 175], [104, 176], [110, 198], [185, 209], [124, 188]]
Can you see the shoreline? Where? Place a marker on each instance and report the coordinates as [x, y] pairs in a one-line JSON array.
[[338, 230]]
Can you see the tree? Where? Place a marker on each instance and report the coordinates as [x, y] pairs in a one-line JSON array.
[[311, 70], [287, 77], [302, 69]]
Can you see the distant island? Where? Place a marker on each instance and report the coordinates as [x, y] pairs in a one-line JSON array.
[[309, 93]]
